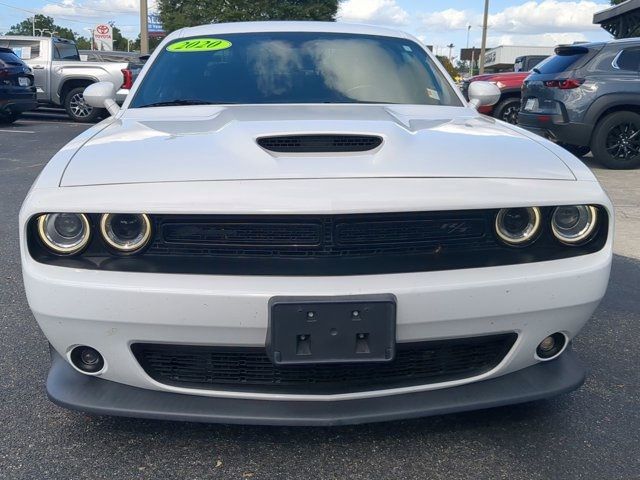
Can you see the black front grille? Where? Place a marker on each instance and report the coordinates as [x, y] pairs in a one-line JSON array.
[[336, 236], [249, 369], [320, 143]]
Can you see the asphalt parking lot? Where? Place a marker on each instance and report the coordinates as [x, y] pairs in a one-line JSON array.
[[592, 433]]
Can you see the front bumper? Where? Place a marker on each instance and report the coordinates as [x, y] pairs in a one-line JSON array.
[[71, 389], [111, 310]]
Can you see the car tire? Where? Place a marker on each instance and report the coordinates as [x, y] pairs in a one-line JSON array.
[[577, 150], [507, 110], [6, 119], [77, 109], [616, 141]]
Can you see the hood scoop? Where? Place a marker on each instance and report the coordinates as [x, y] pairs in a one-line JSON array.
[[320, 143]]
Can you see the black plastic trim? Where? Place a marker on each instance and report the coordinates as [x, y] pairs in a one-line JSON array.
[[70, 389]]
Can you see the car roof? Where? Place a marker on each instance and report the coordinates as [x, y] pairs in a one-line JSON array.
[[256, 27], [6, 50]]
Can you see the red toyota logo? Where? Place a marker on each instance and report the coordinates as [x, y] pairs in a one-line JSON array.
[[102, 29]]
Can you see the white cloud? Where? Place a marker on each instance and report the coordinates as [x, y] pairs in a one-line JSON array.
[[450, 19], [104, 9], [383, 12], [543, 39], [532, 17], [547, 16]]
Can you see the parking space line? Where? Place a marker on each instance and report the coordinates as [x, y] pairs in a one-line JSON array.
[[17, 131]]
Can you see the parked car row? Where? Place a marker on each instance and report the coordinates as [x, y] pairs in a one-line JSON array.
[[60, 77], [586, 97]]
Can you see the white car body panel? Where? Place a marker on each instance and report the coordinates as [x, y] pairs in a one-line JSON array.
[[205, 160], [417, 142]]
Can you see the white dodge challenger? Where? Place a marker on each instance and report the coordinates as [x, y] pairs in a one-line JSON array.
[[308, 224]]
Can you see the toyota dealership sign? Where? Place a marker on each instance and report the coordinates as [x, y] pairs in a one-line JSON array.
[[103, 37]]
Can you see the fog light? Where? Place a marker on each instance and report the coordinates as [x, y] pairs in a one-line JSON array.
[[551, 346], [87, 359]]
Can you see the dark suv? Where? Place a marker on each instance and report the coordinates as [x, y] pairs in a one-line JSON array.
[[587, 97], [17, 93]]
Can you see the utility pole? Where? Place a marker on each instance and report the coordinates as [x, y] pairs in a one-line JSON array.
[[33, 25], [144, 28], [483, 47]]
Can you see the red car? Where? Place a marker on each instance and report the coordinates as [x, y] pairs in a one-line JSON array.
[[510, 84]]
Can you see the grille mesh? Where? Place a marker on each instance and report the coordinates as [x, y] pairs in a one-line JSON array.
[[320, 143], [322, 236], [249, 369]]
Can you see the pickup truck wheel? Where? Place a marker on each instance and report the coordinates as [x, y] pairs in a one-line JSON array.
[[616, 141], [78, 109], [507, 110]]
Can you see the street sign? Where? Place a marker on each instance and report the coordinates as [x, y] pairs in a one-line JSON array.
[[155, 25], [103, 37]]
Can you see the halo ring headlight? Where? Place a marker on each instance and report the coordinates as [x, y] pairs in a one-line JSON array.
[[125, 232], [518, 226], [64, 233], [574, 224]]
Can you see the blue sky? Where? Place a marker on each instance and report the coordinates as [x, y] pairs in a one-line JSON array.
[[436, 22]]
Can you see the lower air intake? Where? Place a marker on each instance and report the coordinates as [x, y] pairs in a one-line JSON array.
[[249, 369]]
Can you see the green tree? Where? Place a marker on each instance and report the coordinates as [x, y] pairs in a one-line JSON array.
[[451, 70], [186, 13], [119, 41], [616, 2], [42, 22], [83, 43]]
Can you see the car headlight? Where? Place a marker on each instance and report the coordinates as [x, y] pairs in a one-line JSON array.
[[64, 233], [125, 232], [574, 224], [518, 226]]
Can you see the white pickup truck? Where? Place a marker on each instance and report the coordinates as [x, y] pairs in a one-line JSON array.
[[61, 77]]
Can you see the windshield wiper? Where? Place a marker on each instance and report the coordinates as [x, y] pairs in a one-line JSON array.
[[178, 102]]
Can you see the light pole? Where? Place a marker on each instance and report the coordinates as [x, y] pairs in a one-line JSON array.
[[483, 47], [144, 28], [90, 30]]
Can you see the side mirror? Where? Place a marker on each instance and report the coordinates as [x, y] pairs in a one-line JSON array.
[[483, 94], [102, 95]]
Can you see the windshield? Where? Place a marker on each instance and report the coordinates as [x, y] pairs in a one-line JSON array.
[[294, 67]]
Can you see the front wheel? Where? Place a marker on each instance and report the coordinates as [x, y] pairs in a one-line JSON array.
[[616, 141], [77, 109], [507, 110]]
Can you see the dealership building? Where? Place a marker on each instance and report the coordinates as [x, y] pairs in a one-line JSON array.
[[503, 58]]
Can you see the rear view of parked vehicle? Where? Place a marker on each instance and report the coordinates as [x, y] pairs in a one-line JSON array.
[[587, 97], [17, 93]]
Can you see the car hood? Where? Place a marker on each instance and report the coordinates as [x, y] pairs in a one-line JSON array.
[[179, 144]]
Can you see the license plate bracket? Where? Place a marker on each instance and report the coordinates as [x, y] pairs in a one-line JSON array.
[[308, 330]]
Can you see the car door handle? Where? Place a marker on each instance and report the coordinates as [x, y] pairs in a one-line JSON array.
[[38, 67]]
